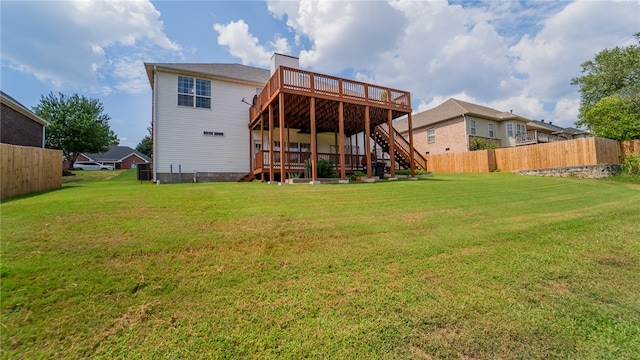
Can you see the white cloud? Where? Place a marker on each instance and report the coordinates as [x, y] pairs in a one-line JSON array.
[[70, 43], [243, 45], [516, 56]]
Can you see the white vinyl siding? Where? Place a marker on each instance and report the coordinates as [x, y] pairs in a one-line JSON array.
[[179, 129]]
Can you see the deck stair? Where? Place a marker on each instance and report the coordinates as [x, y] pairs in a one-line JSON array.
[[401, 147], [248, 177]]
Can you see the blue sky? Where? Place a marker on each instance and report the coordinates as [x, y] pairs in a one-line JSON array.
[[510, 55]]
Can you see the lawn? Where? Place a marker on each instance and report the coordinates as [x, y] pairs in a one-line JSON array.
[[464, 266]]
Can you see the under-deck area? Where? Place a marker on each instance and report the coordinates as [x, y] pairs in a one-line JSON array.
[[303, 102]]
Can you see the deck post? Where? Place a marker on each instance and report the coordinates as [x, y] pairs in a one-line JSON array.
[[343, 173], [261, 146], [251, 154], [392, 146], [412, 164], [314, 147], [281, 124], [367, 137], [271, 172]]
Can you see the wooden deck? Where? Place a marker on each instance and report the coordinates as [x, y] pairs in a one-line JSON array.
[[537, 137], [299, 85], [312, 103]]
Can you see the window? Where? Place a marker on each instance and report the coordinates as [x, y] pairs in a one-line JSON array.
[[509, 130], [194, 92], [521, 129], [472, 127], [491, 134], [305, 147], [431, 135]]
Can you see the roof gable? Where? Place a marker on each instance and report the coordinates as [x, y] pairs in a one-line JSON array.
[[453, 108], [15, 105], [117, 153], [228, 72]]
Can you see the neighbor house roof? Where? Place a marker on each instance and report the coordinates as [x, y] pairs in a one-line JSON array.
[[117, 154], [233, 72], [542, 125], [15, 105], [553, 129], [454, 108]]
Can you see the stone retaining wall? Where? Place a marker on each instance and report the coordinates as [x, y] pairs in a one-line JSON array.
[[583, 172]]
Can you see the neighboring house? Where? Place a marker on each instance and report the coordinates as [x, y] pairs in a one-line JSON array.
[[121, 157], [19, 125], [450, 126], [226, 122], [544, 132]]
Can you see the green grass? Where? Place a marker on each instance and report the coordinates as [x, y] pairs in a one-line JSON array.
[[467, 266]]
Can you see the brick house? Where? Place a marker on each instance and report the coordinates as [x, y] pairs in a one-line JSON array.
[[121, 157], [450, 126], [19, 125]]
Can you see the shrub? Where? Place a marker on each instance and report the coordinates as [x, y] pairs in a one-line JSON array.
[[631, 164], [482, 144], [325, 168]]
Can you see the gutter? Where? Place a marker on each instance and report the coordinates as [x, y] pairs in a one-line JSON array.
[[154, 125]]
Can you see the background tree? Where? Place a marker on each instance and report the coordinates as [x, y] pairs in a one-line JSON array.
[[77, 124], [144, 146], [610, 93]]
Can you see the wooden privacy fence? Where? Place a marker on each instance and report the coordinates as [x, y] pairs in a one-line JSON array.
[[631, 147], [27, 169], [578, 152]]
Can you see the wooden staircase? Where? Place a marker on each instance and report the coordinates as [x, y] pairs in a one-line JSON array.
[[401, 148], [248, 177]]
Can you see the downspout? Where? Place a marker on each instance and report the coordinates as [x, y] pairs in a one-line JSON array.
[[466, 133], [154, 152]]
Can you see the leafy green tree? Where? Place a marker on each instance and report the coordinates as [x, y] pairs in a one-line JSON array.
[[615, 117], [145, 145], [610, 93], [77, 125]]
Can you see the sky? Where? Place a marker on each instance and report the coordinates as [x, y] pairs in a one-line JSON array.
[[509, 55]]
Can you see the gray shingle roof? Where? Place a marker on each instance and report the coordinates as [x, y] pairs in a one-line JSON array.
[[453, 108], [116, 153], [236, 72]]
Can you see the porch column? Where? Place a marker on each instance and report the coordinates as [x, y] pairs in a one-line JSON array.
[[411, 155], [288, 150], [251, 154], [314, 145], [343, 173], [392, 145], [367, 138], [261, 146], [271, 144], [281, 124]]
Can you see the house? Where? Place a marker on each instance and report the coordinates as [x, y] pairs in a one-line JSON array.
[[227, 122], [450, 126], [121, 157], [19, 125], [539, 131]]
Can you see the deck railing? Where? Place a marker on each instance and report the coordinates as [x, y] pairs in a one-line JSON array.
[[287, 78], [535, 137], [295, 161]]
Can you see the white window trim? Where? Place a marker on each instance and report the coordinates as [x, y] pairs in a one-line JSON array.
[[193, 94]]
